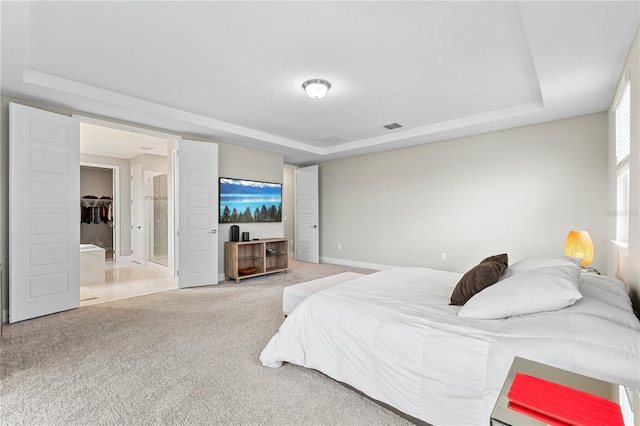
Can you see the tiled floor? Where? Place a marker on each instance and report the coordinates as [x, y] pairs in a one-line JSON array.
[[126, 279]]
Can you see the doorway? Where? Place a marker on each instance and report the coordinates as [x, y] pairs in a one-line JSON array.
[[307, 237], [138, 262], [44, 231], [157, 217], [97, 201]]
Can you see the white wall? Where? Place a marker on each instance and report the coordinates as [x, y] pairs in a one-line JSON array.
[[630, 272], [518, 191], [151, 162]]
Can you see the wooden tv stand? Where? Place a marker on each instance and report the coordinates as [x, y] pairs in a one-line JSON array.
[[246, 259]]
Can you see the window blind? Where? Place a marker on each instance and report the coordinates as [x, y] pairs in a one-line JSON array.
[[623, 124]]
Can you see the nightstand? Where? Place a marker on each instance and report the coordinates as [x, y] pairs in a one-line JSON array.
[[588, 270], [504, 416]]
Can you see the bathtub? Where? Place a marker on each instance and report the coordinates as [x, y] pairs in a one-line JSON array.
[[92, 266]]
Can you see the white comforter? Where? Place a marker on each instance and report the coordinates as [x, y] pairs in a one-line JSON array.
[[393, 336]]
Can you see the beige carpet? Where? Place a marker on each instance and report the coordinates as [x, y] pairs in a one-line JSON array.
[[178, 357]]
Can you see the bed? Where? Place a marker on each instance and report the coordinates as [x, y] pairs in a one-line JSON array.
[[394, 336]]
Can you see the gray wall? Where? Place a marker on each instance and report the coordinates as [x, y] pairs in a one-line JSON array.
[[518, 191], [246, 163]]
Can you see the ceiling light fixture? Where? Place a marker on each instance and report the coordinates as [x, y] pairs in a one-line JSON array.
[[316, 88]]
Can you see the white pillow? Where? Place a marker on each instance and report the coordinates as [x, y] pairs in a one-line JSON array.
[[536, 262], [609, 284], [538, 290], [607, 290]]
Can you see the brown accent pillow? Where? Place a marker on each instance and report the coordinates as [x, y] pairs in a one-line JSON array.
[[481, 276], [499, 258]]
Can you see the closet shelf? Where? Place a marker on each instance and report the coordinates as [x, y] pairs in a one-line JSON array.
[[95, 202]]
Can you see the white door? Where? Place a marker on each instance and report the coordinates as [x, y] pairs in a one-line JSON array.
[[44, 213], [197, 231], [307, 214], [137, 215]]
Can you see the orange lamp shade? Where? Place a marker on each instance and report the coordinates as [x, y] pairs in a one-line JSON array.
[[579, 245]]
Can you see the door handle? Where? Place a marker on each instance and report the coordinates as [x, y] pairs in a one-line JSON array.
[[314, 226], [213, 231], [138, 227]]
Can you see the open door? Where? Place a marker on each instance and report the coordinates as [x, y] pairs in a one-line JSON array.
[[137, 216], [44, 213], [307, 248], [197, 232]]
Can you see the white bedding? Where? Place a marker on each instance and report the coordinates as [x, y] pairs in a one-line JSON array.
[[393, 336]]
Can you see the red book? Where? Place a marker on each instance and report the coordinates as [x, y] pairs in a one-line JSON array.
[[561, 405]]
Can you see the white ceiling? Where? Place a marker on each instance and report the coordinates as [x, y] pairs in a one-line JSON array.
[[119, 143], [232, 71]]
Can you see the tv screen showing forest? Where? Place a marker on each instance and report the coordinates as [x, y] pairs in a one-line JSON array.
[[250, 201]]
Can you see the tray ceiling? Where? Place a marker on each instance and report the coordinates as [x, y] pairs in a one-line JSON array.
[[232, 71]]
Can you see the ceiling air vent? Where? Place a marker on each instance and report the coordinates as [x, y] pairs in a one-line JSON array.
[[392, 126], [332, 139]]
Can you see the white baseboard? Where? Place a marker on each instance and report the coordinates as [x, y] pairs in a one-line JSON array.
[[124, 259], [356, 264], [5, 316]]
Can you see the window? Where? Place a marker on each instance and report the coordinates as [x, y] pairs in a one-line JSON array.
[[622, 205], [623, 125], [623, 144]]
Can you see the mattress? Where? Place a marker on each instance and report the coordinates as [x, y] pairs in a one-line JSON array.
[[294, 294], [394, 336]]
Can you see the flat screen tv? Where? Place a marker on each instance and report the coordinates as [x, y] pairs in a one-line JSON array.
[[244, 201]]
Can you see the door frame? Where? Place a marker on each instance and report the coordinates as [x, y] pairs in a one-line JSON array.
[[116, 182], [140, 216], [315, 172], [171, 139], [148, 175], [116, 202]]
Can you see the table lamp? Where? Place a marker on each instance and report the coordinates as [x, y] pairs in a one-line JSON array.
[[579, 245]]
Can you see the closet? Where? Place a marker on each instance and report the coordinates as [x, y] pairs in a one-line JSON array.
[[97, 208]]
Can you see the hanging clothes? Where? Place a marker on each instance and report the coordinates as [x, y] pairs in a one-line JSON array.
[[96, 210], [86, 213], [105, 204]]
